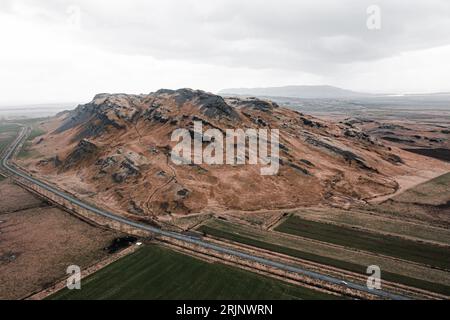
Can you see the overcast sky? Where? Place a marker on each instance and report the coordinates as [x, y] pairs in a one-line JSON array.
[[58, 50]]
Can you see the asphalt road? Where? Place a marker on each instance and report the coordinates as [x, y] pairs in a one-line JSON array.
[[182, 237]]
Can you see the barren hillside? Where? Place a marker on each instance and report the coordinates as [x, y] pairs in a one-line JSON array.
[[116, 151]]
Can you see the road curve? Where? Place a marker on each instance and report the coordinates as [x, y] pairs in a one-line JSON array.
[[181, 237]]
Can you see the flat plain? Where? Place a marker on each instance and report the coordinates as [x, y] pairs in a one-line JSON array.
[[326, 253], [38, 242], [428, 254], [154, 272]]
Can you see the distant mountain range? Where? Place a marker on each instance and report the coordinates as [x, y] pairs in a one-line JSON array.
[[320, 92], [306, 92]]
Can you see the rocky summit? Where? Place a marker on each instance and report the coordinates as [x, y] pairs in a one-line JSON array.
[[117, 149]]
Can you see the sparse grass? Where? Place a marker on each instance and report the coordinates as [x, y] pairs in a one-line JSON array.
[[7, 133], [427, 204], [10, 130], [377, 223], [35, 132], [4, 143], [45, 240], [154, 272], [280, 249], [25, 152], [428, 254], [422, 214], [433, 192], [322, 259], [8, 127]]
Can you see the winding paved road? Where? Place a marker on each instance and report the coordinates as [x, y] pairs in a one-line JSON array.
[[181, 237]]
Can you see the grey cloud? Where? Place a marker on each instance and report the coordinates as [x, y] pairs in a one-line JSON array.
[[313, 36]]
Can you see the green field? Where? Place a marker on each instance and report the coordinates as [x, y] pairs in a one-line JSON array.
[[8, 127], [373, 222], [341, 264], [428, 254], [5, 142], [154, 272], [26, 151], [8, 132]]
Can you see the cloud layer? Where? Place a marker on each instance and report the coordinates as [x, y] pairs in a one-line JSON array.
[[250, 43]]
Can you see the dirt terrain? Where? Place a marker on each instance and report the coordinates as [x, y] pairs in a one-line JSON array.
[[417, 123], [115, 151], [335, 175], [38, 242]]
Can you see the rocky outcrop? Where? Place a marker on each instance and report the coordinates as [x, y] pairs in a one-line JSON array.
[[311, 123], [83, 151], [358, 134], [119, 167], [298, 168], [103, 112], [395, 139], [253, 103], [123, 151], [211, 105], [307, 162], [55, 161], [135, 209], [393, 158], [215, 107], [109, 112], [347, 155]]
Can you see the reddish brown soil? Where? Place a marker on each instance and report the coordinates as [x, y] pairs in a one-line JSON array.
[[139, 128], [38, 242]]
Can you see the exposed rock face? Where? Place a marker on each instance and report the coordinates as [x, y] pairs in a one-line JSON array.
[[346, 154], [135, 209], [310, 123], [83, 151], [120, 146], [119, 111], [358, 134], [253, 103], [103, 113], [55, 161], [120, 166], [212, 106], [298, 168], [307, 162], [126, 169]]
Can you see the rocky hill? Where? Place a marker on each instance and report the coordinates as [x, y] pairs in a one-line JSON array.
[[116, 150]]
